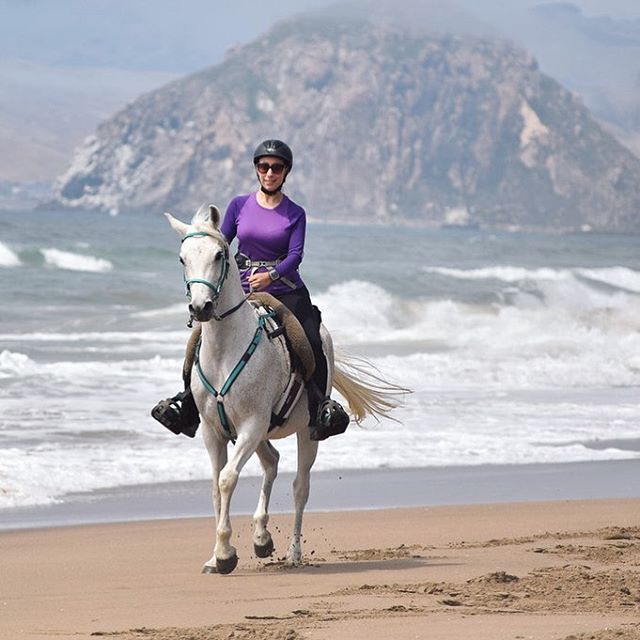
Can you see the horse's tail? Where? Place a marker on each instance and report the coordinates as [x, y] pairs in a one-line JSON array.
[[364, 388]]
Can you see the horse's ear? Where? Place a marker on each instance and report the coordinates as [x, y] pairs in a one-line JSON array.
[[214, 215], [179, 227], [207, 215]]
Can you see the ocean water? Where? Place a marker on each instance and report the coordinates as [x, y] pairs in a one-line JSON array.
[[519, 348]]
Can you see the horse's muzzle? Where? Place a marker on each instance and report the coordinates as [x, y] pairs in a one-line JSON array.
[[202, 313]]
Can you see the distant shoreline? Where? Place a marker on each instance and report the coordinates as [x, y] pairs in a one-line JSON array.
[[39, 207]]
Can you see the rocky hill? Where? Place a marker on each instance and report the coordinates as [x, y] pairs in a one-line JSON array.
[[387, 124]]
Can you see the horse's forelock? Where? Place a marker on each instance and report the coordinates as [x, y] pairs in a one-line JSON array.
[[207, 227]]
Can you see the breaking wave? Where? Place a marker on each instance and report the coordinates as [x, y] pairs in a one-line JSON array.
[[8, 258], [618, 277], [75, 261]]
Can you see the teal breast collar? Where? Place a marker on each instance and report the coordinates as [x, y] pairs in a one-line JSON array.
[[227, 426]]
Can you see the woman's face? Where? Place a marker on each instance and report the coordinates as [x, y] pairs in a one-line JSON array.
[[271, 172]]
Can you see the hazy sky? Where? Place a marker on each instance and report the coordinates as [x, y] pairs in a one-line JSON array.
[[617, 8], [147, 35], [183, 36]]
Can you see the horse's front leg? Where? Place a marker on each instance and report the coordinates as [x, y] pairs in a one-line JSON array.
[[307, 451], [217, 449], [262, 540], [246, 444]]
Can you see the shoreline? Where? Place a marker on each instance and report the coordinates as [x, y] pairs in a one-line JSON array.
[[343, 490]]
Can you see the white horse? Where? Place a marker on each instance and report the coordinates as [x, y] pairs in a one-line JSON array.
[[247, 398]]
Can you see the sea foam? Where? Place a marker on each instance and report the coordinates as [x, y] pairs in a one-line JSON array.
[[620, 277], [8, 258], [617, 277], [568, 334], [505, 273], [75, 261], [15, 364]]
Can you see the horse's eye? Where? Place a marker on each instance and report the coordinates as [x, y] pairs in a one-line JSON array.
[[218, 257], [181, 261]]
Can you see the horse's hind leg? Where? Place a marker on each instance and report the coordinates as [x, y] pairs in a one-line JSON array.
[[262, 541], [307, 451]]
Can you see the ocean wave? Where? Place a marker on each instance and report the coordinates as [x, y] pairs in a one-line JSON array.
[[616, 277], [361, 312], [504, 273], [159, 313], [563, 320], [567, 334], [75, 261], [34, 477], [15, 364], [90, 449], [8, 258], [124, 337], [524, 358], [573, 337], [524, 399]]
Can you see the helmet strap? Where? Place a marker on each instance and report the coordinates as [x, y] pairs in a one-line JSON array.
[[270, 192]]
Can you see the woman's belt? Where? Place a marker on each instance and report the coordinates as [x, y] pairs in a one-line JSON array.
[[245, 263]]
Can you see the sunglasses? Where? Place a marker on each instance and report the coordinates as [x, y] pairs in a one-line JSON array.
[[263, 167]]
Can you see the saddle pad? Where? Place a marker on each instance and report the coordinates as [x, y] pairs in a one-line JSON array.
[[190, 353], [296, 336]]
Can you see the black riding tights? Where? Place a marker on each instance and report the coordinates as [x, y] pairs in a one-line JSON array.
[[299, 303]]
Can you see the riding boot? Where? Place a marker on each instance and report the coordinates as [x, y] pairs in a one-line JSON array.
[[179, 413], [331, 420], [328, 417]]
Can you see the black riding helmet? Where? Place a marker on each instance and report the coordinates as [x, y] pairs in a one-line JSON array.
[[276, 149]]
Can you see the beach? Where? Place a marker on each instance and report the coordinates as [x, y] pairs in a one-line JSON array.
[[550, 569]]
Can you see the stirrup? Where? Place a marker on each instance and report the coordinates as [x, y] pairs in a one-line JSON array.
[[178, 414], [331, 420]]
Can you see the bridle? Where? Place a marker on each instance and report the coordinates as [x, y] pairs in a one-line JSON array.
[[216, 287]]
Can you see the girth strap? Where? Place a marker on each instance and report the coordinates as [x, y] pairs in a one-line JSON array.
[[227, 426]]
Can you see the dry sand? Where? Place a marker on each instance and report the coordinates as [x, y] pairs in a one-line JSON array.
[[550, 570]]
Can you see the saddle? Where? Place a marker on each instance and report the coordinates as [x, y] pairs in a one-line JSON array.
[[295, 336]]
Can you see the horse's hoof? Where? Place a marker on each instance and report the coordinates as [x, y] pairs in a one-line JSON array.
[[228, 565], [209, 569], [264, 550]]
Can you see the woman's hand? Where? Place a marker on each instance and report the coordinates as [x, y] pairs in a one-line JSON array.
[[259, 281]]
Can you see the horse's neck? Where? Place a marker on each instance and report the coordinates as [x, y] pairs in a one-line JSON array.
[[233, 332]]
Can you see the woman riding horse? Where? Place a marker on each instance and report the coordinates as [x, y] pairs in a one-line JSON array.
[[270, 229]]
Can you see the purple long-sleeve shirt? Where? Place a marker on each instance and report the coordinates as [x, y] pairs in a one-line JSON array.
[[268, 234]]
